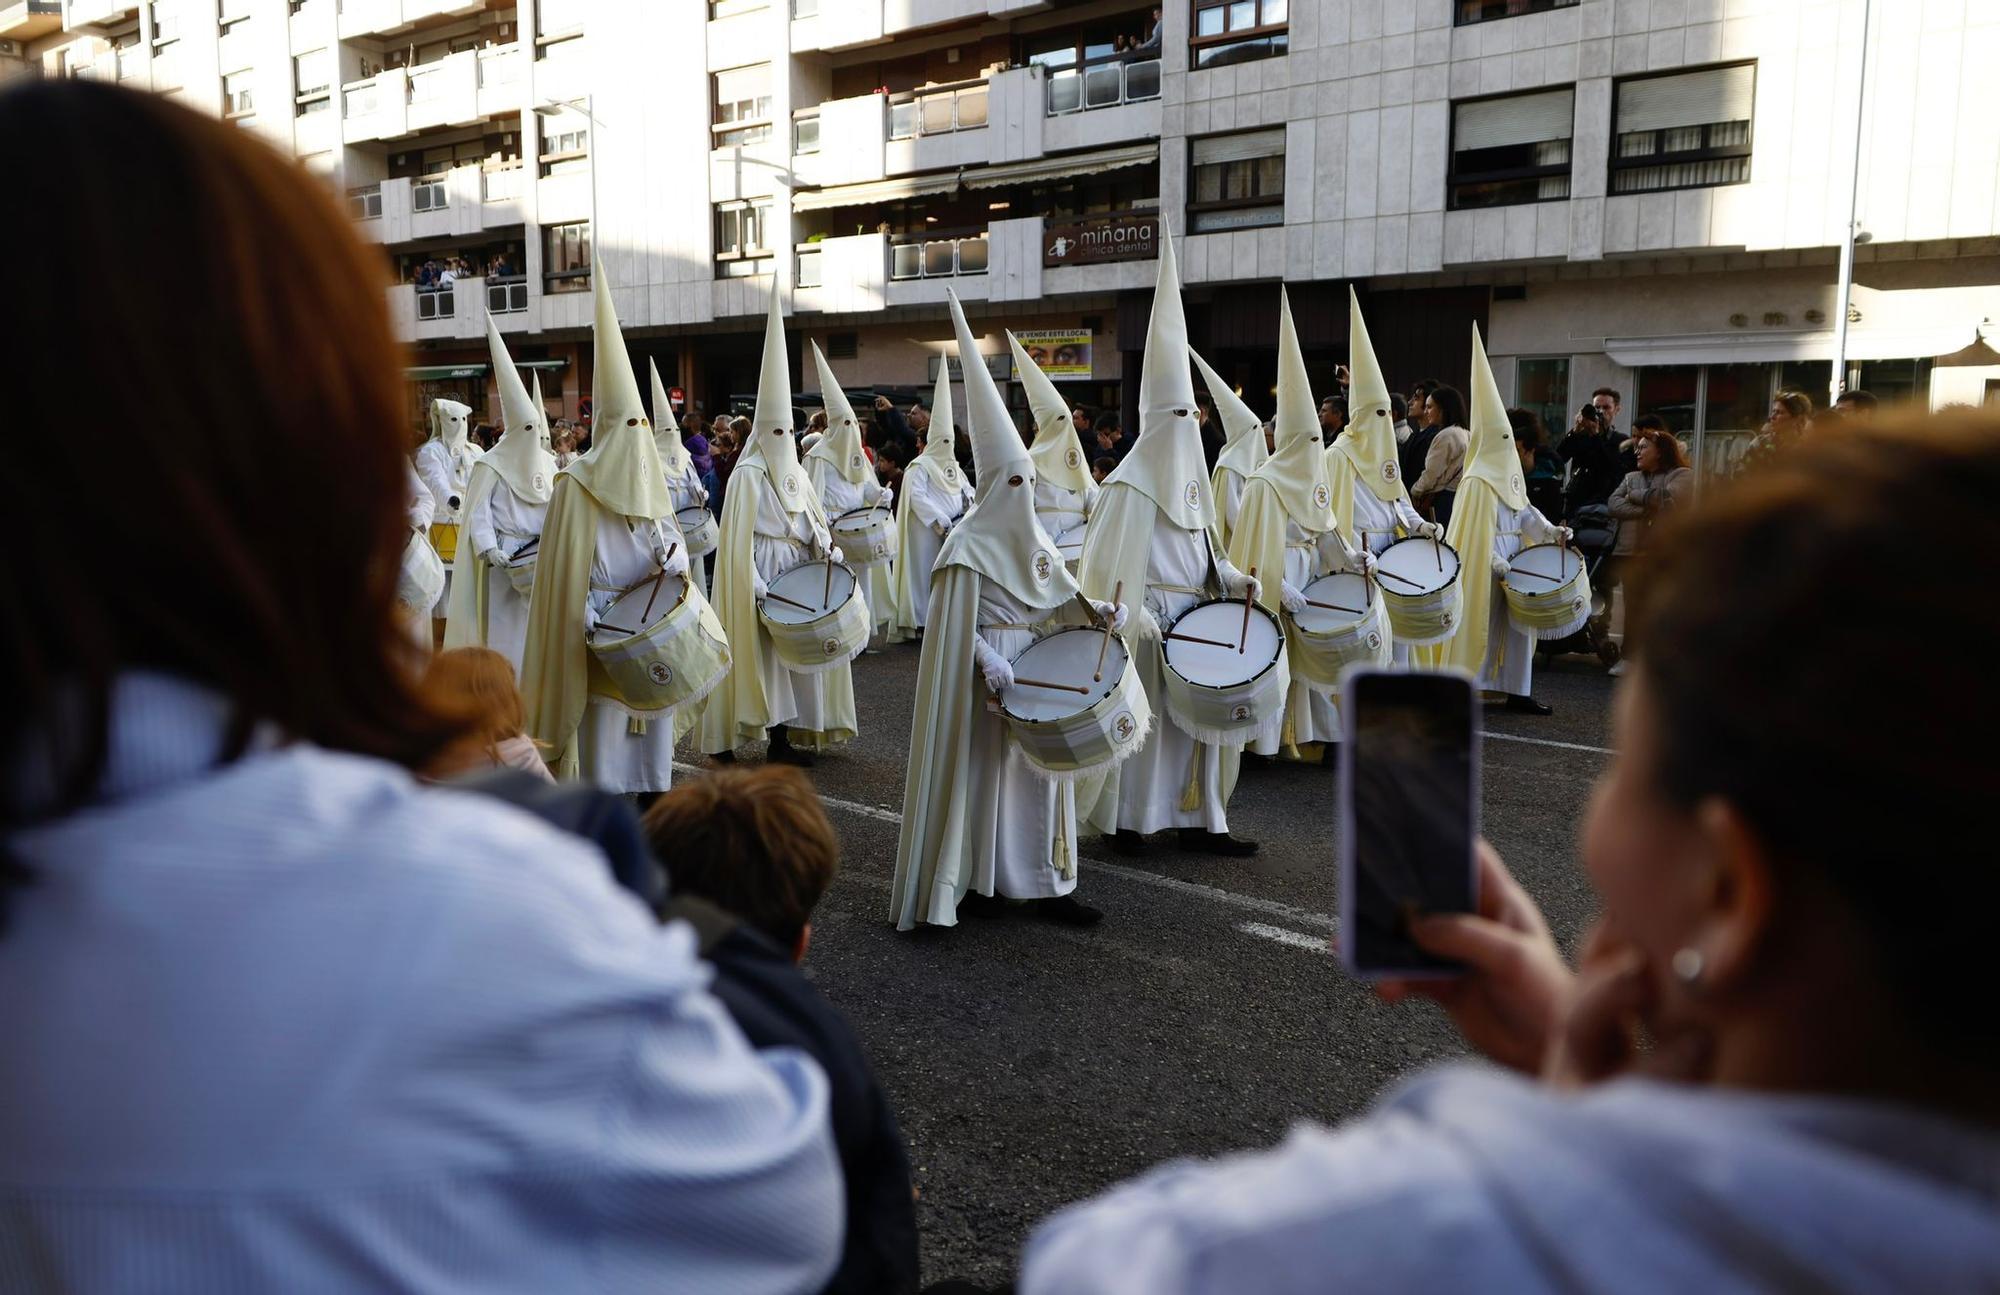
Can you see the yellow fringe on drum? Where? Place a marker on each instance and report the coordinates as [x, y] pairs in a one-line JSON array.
[[1191, 794], [1065, 865]]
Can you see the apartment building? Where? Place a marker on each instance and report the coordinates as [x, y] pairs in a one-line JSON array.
[[1648, 194]]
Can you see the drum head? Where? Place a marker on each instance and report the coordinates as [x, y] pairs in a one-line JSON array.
[[1221, 622], [1560, 565], [691, 516], [1425, 566], [629, 612], [807, 585], [1071, 542], [1066, 656], [1346, 591]]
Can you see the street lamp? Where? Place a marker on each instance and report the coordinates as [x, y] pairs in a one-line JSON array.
[[1848, 238], [556, 108]]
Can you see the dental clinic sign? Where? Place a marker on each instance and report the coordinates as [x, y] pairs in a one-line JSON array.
[[1100, 238]]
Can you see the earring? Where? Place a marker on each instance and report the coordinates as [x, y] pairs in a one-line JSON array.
[[1688, 965]]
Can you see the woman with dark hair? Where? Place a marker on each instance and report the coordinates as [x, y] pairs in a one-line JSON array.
[[1444, 457], [1777, 1066], [278, 1016], [1540, 468], [1645, 498]]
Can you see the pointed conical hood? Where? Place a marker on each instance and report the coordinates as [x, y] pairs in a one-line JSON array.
[[542, 416], [772, 447], [1001, 537], [1166, 463], [1370, 441], [841, 446], [941, 439], [674, 459], [451, 423], [1491, 456], [622, 470], [1243, 450], [1058, 451], [1297, 466], [521, 458]]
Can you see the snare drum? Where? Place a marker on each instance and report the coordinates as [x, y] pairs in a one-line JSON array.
[[1547, 591], [816, 624], [1341, 625], [1070, 544], [698, 530], [866, 536], [521, 567], [1066, 735], [1223, 684], [444, 538], [1419, 583], [658, 646], [420, 578]]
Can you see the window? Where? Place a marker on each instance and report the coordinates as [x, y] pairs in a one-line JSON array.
[[240, 23], [1238, 181], [742, 105], [312, 82], [730, 8], [236, 97], [1472, 11], [742, 239], [805, 8], [1542, 387], [565, 144], [1687, 130], [166, 21], [1236, 31], [805, 134], [566, 257], [365, 203], [558, 20], [1511, 148]]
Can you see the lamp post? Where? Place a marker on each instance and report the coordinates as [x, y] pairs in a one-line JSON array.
[[1845, 295], [556, 108]]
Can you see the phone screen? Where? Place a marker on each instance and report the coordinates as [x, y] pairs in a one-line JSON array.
[[1409, 811]]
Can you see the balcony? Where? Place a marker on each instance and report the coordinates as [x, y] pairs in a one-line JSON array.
[[386, 17], [445, 93], [365, 203], [25, 20], [436, 303], [83, 13], [935, 258], [508, 296], [455, 312], [501, 70], [842, 276], [502, 190], [938, 111], [1104, 85], [377, 107]]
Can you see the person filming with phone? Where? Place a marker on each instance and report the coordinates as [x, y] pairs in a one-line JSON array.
[[1776, 1063]]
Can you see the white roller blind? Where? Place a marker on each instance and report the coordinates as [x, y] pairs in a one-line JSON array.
[[314, 70], [1517, 119], [1238, 148], [1690, 99], [743, 83]]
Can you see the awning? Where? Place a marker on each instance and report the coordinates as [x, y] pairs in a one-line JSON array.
[[873, 191], [1768, 346], [1056, 168], [433, 372]]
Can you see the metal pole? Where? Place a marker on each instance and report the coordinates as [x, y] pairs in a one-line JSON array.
[[1845, 295], [590, 102]]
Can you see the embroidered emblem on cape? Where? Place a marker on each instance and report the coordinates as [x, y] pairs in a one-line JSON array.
[[1193, 494], [1515, 481], [1240, 712], [791, 485], [854, 460], [1073, 458], [1320, 497], [1043, 565], [1374, 640], [1390, 470], [541, 482]]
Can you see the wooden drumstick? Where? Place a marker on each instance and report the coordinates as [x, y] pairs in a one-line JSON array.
[[775, 597], [619, 629], [1333, 607], [1390, 575], [1117, 596], [1043, 683], [1523, 571], [658, 579], [827, 594], [1189, 638], [1437, 551], [1244, 634]]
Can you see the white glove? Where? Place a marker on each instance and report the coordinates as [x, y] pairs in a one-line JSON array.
[[495, 557], [676, 562], [873, 493], [589, 621], [1565, 534], [1501, 566], [1365, 562], [942, 528], [1430, 530], [993, 667], [1289, 598], [758, 589], [1116, 613]]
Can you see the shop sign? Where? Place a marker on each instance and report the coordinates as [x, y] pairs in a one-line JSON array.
[[1100, 238], [1060, 352]]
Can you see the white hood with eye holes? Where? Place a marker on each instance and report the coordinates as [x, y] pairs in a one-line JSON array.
[[1001, 536]]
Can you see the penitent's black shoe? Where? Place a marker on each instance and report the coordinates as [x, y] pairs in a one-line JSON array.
[[1196, 841], [1126, 842], [723, 757], [1528, 706], [1068, 910], [786, 753]]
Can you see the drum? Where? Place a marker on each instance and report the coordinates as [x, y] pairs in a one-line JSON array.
[[420, 578], [698, 530], [1085, 724], [1070, 544], [1225, 676], [1547, 591], [1341, 625], [816, 623], [1419, 583], [444, 538], [521, 567], [866, 536], [659, 645]]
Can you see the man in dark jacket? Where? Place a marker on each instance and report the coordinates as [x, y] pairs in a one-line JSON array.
[[1595, 465]]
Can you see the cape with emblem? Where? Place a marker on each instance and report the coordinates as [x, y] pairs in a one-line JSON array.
[[934, 492], [1243, 449]]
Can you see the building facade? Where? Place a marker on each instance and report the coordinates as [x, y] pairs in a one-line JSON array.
[[1646, 194]]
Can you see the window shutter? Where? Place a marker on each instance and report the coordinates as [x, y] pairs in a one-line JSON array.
[[742, 84], [1237, 148], [1517, 119], [1689, 99]]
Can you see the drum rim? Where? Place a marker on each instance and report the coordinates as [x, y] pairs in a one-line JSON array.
[[1350, 627], [852, 593], [1117, 682], [1431, 593], [1276, 658], [1559, 591], [864, 508], [603, 645]]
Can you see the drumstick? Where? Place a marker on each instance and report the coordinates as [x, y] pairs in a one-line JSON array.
[[607, 625], [1437, 551], [1042, 683], [1189, 638], [1398, 579], [1244, 634], [1333, 607], [1117, 596], [648, 613], [826, 595], [780, 598], [525, 547], [1523, 571]]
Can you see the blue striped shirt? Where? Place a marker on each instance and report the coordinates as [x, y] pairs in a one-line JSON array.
[[299, 1023]]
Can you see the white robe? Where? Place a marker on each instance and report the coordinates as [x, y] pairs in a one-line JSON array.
[[932, 504], [445, 475], [1510, 652], [608, 752], [1023, 827], [1063, 510], [1228, 502], [502, 519], [417, 565], [839, 495], [779, 542], [1310, 712], [1376, 524]]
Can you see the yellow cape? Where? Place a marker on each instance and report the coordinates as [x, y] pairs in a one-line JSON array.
[[1475, 516]]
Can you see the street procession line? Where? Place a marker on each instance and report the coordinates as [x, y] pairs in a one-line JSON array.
[[1278, 934], [1543, 741]]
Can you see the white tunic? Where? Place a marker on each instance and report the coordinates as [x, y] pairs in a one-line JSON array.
[[1023, 827], [504, 520], [1510, 652], [932, 504], [608, 751], [778, 542], [1063, 510], [1310, 712], [1376, 523], [444, 475], [1229, 500], [839, 495], [686, 492]]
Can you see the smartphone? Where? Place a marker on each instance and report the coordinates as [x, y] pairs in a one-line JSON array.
[[1409, 815]]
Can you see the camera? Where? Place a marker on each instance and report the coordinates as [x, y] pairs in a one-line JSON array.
[[1589, 414]]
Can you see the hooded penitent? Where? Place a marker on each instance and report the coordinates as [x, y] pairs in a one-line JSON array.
[[771, 448], [1166, 463], [622, 470], [840, 448], [934, 472], [542, 416], [1058, 452], [666, 432], [1492, 480], [1296, 470], [1366, 452], [1243, 448], [451, 423]]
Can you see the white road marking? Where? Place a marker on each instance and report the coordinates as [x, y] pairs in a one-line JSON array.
[[1543, 741], [1296, 939]]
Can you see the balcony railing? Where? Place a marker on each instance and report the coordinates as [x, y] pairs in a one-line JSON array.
[[1103, 85], [434, 303], [365, 203], [499, 66], [507, 296], [359, 99], [938, 258], [502, 183], [938, 111], [429, 194], [426, 85], [809, 274]]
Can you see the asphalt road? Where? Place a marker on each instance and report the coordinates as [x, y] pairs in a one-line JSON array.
[[1032, 1065]]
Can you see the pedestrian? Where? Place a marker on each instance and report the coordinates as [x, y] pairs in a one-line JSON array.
[[562, 442], [478, 683], [895, 429], [1410, 457], [445, 462], [1785, 428], [1101, 467], [934, 495], [1541, 470], [1109, 423], [1399, 413], [1332, 419], [919, 418], [1857, 404], [1244, 449], [1444, 454], [1661, 485], [1593, 459]]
